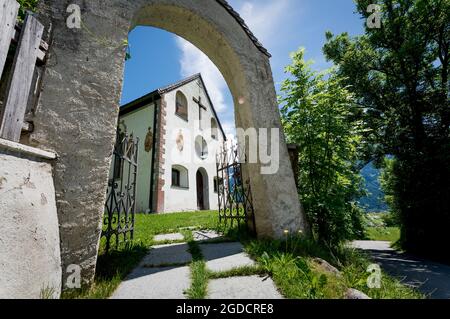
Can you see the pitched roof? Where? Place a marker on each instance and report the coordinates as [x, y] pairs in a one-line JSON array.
[[178, 84], [241, 21], [156, 95], [199, 76]]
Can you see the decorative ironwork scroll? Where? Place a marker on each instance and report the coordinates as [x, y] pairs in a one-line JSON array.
[[120, 203]]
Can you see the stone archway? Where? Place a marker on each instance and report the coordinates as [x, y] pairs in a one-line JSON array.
[[78, 108]]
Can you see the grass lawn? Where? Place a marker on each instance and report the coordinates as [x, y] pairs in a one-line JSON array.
[[289, 262], [379, 226], [292, 265], [112, 268], [391, 234], [149, 225]]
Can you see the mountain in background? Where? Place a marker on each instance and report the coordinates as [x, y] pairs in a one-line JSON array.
[[374, 201]]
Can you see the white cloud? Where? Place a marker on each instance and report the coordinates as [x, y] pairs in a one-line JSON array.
[[266, 19], [229, 128], [195, 61]]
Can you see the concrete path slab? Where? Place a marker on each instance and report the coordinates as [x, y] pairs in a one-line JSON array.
[[225, 256], [166, 255], [167, 237], [205, 235], [155, 283], [372, 245], [160, 274], [251, 287], [431, 278]]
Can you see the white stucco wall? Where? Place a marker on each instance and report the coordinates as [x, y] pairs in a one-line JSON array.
[[30, 260], [138, 123], [177, 199]]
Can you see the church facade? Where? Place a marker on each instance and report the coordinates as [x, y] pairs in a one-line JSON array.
[[179, 134]]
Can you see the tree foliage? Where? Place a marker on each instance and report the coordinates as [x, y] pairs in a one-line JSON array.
[[318, 115], [388, 181], [399, 74], [26, 5]]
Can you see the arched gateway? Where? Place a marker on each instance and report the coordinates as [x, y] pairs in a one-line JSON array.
[[79, 107]]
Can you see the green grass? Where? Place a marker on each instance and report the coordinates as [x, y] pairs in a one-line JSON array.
[[289, 262], [391, 234], [292, 270], [199, 274], [382, 227], [112, 268], [354, 269], [238, 272], [147, 226]]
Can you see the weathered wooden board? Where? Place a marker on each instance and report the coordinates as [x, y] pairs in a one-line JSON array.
[[8, 15], [43, 46], [20, 85], [34, 92]]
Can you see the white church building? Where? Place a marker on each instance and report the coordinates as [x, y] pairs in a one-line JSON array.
[[179, 134]]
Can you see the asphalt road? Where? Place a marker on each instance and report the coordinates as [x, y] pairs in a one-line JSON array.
[[431, 278]]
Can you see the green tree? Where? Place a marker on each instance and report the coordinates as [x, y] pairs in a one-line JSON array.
[[387, 182], [318, 115], [26, 5], [399, 74]]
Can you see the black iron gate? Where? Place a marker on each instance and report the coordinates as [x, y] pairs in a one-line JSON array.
[[120, 203], [233, 189]]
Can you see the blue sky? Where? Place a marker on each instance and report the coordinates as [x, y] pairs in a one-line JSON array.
[[282, 26]]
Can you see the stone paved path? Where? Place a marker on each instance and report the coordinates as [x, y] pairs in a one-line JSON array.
[[432, 279], [250, 287], [167, 255], [164, 273], [168, 237], [150, 280], [225, 256], [205, 235], [155, 283]]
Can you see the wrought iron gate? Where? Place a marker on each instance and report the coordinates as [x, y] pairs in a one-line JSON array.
[[233, 189], [120, 203]]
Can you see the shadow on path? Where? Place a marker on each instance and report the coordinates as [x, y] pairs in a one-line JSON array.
[[430, 278]]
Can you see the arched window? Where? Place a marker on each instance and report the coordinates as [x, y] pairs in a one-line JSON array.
[[181, 107], [201, 147], [180, 177], [214, 129]]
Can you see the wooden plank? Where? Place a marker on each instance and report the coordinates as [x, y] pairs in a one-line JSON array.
[[18, 28], [34, 92], [20, 84], [43, 46], [8, 15]]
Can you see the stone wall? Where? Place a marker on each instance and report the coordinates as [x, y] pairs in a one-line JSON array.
[[78, 108], [30, 263]]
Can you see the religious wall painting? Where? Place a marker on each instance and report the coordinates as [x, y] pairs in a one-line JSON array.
[[149, 141], [180, 141]]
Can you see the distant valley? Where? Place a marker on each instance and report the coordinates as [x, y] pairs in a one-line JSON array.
[[374, 201]]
